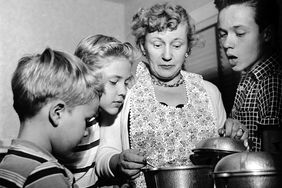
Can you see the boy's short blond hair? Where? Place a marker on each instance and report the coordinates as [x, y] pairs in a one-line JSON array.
[[52, 75]]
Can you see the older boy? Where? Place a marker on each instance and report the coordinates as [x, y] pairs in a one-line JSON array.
[[55, 95], [248, 34]]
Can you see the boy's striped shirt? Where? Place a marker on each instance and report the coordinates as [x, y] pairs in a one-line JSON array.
[[27, 165], [84, 170]]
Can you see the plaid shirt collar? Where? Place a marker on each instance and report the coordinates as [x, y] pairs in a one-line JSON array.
[[265, 67]]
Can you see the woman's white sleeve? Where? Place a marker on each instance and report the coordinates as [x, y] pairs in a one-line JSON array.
[[217, 103]]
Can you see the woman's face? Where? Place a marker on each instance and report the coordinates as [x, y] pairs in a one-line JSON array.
[[118, 76], [240, 37], [165, 51]]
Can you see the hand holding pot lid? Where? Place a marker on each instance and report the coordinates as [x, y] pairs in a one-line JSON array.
[[234, 129]]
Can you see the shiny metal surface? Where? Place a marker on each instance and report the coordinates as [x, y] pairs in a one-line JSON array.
[[210, 151], [218, 144], [249, 169], [179, 177], [249, 161], [259, 181]]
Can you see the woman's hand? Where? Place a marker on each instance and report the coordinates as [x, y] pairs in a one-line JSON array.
[[234, 129], [128, 163]]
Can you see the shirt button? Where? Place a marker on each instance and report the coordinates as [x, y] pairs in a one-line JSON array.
[[241, 88]]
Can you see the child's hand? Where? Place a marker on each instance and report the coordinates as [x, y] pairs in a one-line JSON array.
[[128, 163]]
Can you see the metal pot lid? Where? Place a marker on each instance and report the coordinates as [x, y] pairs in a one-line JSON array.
[[249, 162], [220, 144]]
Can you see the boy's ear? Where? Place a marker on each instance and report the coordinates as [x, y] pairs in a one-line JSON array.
[[56, 112], [267, 33]]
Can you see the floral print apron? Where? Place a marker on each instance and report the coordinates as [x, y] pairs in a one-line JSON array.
[[167, 134]]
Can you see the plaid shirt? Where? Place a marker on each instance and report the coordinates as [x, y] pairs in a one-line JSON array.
[[258, 100]]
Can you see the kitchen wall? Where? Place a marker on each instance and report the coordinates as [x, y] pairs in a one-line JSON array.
[[28, 26]]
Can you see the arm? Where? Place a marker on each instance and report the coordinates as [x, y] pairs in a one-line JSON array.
[[217, 103], [270, 108], [227, 127], [272, 140], [110, 145], [114, 158]]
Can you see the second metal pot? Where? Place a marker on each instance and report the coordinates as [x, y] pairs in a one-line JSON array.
[[249, 170]]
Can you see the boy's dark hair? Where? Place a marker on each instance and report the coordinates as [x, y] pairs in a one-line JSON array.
[[266, 11]]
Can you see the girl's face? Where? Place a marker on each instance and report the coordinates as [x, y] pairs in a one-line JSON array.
[[118, 76], [165, 51]]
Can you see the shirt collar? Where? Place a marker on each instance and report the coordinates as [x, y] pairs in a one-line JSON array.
[[265, 67]]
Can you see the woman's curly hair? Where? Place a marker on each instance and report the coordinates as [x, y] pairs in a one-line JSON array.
[[161, 17]]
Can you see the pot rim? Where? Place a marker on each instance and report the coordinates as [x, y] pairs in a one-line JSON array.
[[221, 151], [246, 173], [177, 168]]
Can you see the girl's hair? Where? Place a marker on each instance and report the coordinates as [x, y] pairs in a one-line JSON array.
[[92, 50], [161, 17], [41, 78]]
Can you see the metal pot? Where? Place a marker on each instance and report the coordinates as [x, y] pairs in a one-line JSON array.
[[249, 169], [210, 151], [179, 177]]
